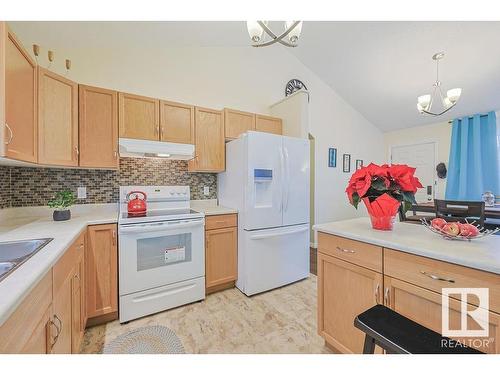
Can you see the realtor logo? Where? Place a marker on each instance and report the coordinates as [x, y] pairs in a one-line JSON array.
[[478, 314]]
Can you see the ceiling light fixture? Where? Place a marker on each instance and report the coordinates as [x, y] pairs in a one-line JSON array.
[[288, 38], [425, 102]]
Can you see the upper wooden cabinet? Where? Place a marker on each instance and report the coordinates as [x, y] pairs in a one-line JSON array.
[[138, 117], [209, 146], [20, 100], [57, 119], [176, 122], [101, 265], [237, 123], [269, 124], [98, 127]]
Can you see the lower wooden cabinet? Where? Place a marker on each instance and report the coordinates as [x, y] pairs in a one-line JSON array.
[[221, 252], [29, 328], [425, 307], [101, 268], [349, 284], [344, 291]]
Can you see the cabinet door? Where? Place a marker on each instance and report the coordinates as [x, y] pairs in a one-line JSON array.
[[209, 146], [20, 102], [77, 307], [221, 256], [424, 307], [40, 340], [63, 298], [176, 122], [98, 127], [138, 117], [57, 119], [237, 123], [269, 124], [344, 291], [101, 264]]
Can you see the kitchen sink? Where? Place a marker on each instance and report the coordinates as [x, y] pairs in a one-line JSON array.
[[15, 253]]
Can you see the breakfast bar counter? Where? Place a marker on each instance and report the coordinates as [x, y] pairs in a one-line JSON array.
[[482, 254]]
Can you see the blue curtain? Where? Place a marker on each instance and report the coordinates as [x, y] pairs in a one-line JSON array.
[[474, 158]]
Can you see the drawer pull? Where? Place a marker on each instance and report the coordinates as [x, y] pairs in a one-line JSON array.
[[438, 278], [387, 297], [220, 221], [345, 250]]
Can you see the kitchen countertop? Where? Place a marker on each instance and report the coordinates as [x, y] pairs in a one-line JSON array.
[[210, 207], [21, 224], [482, 254]]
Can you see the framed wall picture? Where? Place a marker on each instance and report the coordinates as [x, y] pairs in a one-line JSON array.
[[346, 162], [359, 164], [332, 157]]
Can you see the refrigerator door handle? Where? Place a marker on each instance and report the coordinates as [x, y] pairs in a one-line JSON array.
[[282, 166], [287, 178], [280, 233]]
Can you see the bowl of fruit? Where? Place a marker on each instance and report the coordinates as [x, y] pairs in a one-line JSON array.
[[455, 230]]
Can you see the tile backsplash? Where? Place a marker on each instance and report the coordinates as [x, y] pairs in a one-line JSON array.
[[21, 186]]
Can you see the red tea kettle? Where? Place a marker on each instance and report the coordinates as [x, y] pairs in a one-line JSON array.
[[136, 205]]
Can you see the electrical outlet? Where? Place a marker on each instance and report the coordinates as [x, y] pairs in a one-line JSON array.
[[82, 192], [206, 190]]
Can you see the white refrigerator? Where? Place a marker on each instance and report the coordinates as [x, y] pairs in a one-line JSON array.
[[267, 180]]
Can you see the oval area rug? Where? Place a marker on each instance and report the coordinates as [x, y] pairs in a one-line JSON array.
[[146, 340]]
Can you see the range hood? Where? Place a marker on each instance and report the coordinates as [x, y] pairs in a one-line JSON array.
[[139, 148]]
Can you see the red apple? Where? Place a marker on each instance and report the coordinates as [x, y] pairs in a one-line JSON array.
[[468, 230], [438, 223], [451, 229]]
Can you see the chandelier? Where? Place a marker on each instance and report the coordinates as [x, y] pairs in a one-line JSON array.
[[425, 102], [289, 37]]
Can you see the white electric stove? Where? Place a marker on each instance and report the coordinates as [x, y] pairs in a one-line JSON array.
[[161, 253]]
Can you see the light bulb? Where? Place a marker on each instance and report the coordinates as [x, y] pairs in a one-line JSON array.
[[420, 108], [294, 35], [447, 102], [255, 31], [454, 94], [424, 101]]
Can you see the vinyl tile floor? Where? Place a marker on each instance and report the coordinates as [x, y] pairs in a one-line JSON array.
[[279, 321]]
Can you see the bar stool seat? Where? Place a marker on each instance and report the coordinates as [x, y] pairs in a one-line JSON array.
[[399, 335]]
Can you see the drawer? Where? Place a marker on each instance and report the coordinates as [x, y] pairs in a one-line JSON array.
[[360, 253], [435, 274], [66, 264], [221, 221]]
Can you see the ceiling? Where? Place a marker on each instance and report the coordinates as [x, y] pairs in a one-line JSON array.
[[379, 68]]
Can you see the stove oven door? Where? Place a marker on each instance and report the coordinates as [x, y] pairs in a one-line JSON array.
[[160, 253]]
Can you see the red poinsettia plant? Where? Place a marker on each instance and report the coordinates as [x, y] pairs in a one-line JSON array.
[[383, 188]]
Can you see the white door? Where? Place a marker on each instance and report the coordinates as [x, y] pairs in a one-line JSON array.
[[296, 181], [421, 156], [270, 258], [263, 203]]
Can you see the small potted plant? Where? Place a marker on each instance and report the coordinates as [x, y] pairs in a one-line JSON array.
[[61, 203]]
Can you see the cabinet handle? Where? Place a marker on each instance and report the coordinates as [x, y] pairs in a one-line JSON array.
[[114, 237], [377, 290], [77, 152], [115, 153], [345, 250], [162, 132], [81, 247], [437, 278], [387, 297], [58, 329], [11, 134]]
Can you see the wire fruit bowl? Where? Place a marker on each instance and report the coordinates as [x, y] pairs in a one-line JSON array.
[[482, 232]]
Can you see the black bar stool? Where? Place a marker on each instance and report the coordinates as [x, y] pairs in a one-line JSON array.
[[399, 335]]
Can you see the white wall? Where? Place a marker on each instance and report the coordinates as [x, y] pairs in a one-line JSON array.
[[439, 133], [244, 78]]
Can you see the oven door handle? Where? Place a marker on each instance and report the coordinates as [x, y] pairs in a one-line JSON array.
[[144, 228]]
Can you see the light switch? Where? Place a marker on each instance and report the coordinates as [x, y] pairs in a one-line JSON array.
[[82, 192], [206, 190]]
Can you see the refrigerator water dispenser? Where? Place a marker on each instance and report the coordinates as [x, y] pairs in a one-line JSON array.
[[263, 179]]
